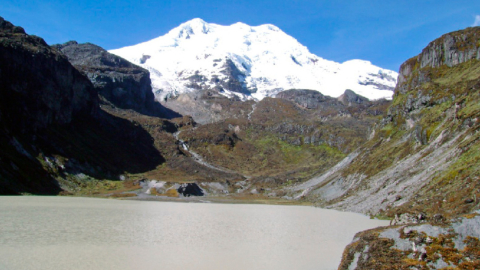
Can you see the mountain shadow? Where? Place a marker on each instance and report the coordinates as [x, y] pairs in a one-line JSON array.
[[52, 130]]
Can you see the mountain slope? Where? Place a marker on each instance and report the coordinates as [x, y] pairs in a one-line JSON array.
[[288, 138], [53, 134], [423, 156], [248, 61]]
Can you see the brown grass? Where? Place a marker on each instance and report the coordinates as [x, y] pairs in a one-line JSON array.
[[123, 195]]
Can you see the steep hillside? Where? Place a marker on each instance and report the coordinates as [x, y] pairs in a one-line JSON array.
[[245, 61], [53, 134], [422, 156], [420, 166]]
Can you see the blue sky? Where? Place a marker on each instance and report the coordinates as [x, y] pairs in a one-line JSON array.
[[384, 32]]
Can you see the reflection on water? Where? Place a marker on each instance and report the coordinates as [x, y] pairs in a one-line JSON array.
[[84, 233]]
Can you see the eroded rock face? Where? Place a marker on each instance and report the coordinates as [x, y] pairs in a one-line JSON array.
[[37, 83], [120, 82], [450, 49]]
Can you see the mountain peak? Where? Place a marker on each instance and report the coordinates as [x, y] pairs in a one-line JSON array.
[[250, 62], [192, 27], [270, 27]]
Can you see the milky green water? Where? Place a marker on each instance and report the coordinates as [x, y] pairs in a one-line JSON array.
[[85, 233]]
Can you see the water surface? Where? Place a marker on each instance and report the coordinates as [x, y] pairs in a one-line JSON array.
[[85, 233]]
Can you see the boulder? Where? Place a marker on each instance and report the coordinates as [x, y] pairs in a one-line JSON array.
[[190, 189]]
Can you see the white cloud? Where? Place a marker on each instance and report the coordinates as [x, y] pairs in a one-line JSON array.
[[477, 21]]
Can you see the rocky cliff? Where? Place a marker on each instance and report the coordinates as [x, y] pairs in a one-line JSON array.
[[118, 81], [53, 134], [33, 99], [449, 50]]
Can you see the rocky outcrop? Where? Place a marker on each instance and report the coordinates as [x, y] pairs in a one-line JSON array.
[[38, 86], [350, 98], [420, 167], [235, 79], [120, 82], [453, 245], [450, 49], [309, 99]]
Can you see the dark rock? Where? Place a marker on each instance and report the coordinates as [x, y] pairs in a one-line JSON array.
[[190, 189], [421, 135], [144, 59], [419, 240], [438, 218], [233, 82], [122, 83]]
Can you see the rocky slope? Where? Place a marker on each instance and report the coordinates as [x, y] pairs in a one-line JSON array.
[[420, 166], [422, 154], [65, 129], [286, 139], [245, 61], [452, 245]]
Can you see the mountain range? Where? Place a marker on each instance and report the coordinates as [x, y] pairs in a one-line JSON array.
[[78, 120], [250, 62]]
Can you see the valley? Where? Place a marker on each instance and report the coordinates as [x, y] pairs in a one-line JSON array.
[[77, 120]]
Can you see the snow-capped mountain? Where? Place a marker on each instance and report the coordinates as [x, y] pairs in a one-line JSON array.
[[248, 61]]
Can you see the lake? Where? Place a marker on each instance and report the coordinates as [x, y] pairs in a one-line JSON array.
[[88, 233]]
